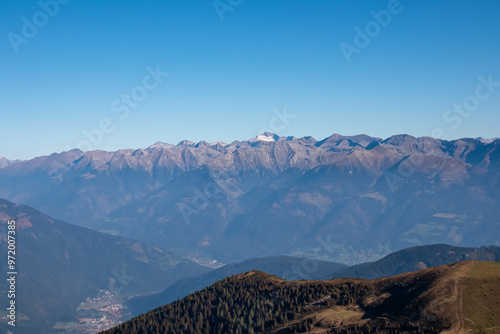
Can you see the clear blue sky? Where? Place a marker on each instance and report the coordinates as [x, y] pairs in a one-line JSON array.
[[227, 76]]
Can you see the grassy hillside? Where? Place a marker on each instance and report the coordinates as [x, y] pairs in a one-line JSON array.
[[481, 298], [433, 300]]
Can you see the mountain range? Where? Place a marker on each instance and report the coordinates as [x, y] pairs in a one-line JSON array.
[[348, 199]]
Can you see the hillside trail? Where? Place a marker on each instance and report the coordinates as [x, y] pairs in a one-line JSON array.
[[457, 279]]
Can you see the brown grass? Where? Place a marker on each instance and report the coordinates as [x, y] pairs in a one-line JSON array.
[[481, 298], [462, 297]]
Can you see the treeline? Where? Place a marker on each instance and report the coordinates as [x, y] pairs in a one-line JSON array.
[[256, 303]]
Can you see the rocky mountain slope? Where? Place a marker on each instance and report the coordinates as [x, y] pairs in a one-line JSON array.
[[347, 199]]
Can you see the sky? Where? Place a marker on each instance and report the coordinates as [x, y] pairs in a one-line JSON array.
[[125, 74]]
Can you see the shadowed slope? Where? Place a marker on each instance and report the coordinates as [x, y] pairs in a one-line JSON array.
[[432, 300]]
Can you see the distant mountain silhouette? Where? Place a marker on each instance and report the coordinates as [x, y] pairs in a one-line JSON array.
[[416, 258], [348, 199]]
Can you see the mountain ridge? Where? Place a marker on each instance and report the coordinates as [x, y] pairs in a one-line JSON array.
[[247, 194], [399, 262], [433, 300], [334, 138], [283, 266], [62, 267]]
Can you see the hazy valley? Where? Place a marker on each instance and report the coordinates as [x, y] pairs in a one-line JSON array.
[[348, 199]]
